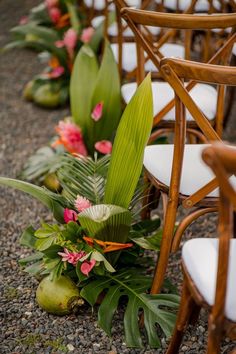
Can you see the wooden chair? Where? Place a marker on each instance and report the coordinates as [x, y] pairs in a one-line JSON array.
[[201, 6], [163, 96], [209, 264], [176, 170]]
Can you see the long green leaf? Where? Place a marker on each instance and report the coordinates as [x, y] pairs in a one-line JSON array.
[[52, 201], [82, 83], [133, 285], [106, 90], [127, 155]]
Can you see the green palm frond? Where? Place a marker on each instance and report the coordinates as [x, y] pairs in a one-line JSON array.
[[83, 176]]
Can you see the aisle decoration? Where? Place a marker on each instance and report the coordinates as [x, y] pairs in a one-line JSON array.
[[57, 29], [95, 114], [94, 242]]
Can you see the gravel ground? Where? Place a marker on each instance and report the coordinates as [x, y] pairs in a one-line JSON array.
[[25, 328]]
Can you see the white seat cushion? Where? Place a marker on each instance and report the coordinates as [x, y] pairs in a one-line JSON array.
[[195, 173], [201, 5], [200, 257], [113, 30], [204, 95], [234, 49], [130, 56], [100, 4]]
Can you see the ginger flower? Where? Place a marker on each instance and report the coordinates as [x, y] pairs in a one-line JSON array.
[[54, 14], [82, 203], [103, 146], [87, 34], [69, 215], [70, 136], [71, 257], [69, 42]]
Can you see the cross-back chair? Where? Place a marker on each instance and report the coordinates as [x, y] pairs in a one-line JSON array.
[[176, 170], [209, 264], [163, 96], [201, 6]]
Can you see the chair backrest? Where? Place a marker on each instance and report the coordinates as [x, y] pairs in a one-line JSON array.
[[222, 160], [175, 71], [186, 22]]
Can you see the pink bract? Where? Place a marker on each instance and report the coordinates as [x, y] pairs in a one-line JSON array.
[[97, 112], [82, 203], [104, 147], [69, 215], [87, 34], [71, 257], [70, 41], [54, 14], [87, 266], [71, 137]]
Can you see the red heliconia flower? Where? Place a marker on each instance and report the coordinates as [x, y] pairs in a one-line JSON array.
[[71, 137], [87, 266], [69, 215], [87, 34], [97, 112], [104, 147]]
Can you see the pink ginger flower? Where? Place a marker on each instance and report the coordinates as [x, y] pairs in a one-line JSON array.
[[51, 3], [71, 257], [57, 72], [54, 14], [87, 34], [82, 203], [69, 42], [23, 20], [69, 215], [104, 147], [97, 112], [71, 137], [87, 266]]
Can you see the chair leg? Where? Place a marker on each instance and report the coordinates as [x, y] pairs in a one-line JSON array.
[[214, 337], [168, 232], [185, 309]]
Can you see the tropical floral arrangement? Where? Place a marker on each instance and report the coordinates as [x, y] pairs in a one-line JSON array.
[[93, 252], [95, 114], [57, 29]]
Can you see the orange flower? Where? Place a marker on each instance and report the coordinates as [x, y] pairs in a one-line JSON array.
[[54, 62], [63, 21], [106, 245]]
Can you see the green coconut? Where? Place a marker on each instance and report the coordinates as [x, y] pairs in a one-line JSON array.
[[52, 183], [28, 91], [44, 96], [59, 297]]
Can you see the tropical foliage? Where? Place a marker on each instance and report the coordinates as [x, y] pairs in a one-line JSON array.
[[56, 29], [97, 218]]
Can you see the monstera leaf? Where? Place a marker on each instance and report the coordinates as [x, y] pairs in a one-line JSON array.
[[54, 202], [132, 285]]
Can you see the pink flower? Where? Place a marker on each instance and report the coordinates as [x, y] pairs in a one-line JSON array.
[[51, 3], [23, 20], [71, 257], [54, 14], [104, 146], [69, 41], [71, 137], [69, 215], [97, 112], [82, 203], [87, 266], [87, 34], [57, 72]]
